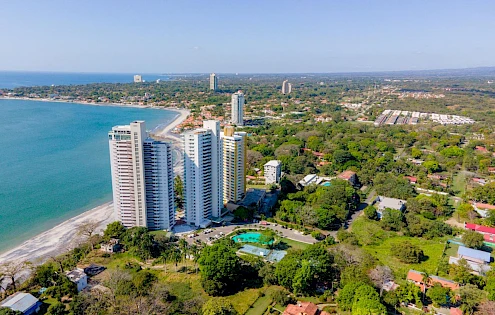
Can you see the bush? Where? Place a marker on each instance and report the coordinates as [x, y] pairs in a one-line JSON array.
[[407, 252]]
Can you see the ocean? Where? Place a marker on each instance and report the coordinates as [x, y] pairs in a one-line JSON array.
[[12, 79], [54, 162]]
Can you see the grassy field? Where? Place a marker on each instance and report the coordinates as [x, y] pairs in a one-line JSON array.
[[259, 306], [257, 186], [459, 183], [294, 244]]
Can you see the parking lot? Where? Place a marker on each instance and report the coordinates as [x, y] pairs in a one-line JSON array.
[[221, 231]]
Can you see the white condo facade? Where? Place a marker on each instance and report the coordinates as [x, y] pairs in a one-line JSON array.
[[286, 87], [135, 162], [213, 82], [273, 172], [203, 184], [138, 78], [237, 110], [234, 164]]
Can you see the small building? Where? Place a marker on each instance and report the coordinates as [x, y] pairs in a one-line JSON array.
[[483, 209], [477, 260], [273, 171], [111, 246], [416, 277], [253, 198], [79, 277], [349, 176], [381, 203], [22, 302], [303, 308], [310, 180], [412, 180]]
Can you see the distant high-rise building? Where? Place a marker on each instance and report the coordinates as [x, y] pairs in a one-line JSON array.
[[138, 78], [238, 108], [286, 87], [203, 196], [142, 178], [213, 82], [234, 146], [273, 171]]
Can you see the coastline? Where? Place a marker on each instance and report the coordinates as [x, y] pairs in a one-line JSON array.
[[63, 236]]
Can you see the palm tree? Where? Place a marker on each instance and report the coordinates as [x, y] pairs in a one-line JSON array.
[[194, 250], [183, 249], [426, 280], [165, 257], [175, 256]]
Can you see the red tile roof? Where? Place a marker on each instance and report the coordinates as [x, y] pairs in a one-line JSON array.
[[417, 276], [479, 228], [480, 205], [412, 179], [455, 311], [481, 149], [346, 175], [302, 308]]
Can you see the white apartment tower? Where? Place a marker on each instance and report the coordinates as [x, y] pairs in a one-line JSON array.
[[138, 78], [273, 171], [286, 87], [234, 164], [238, 108], [213, 82], [142, 178], [203, 196]]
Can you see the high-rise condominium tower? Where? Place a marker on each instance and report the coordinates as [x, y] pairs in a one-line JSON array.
[[286, 87], [234, 164], [138, 78], [142, 178], [213, 82], [203, 197], [238, 108]]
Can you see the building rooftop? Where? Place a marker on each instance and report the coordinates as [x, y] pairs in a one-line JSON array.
[[474, 253], [392, 203], [19, 301], [479, 228], [253, 196], [346, 175], [273, 163], [75, 275], [306, 308], [418, 277]]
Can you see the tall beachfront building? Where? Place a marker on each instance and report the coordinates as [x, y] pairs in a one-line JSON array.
[[203, 196], [142, 178], [213, 82], [237, 117], [138, 78], [234, 146]]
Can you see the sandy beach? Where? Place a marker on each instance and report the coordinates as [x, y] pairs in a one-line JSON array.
[[64, 236], [59, 238]]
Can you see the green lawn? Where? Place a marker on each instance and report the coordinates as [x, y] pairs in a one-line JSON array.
[[459, 183], [432, 249], [294, 244], [260, 306], [257, 186], [242, 301]]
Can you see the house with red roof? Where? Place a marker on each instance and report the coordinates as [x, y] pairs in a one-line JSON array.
[[481, 149], [483, 209], [412, 180], [349, 176], [416, 277], [303, 308]]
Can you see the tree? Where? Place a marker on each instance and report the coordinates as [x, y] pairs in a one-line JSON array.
[[392, 220], [407, 252], [438, 295], [307, 215], [302, 278], [367, 302], [267, 272], [179, 191], [486, 308], [8, 311], [218, 306], [11, 270], [380, 275], [219, 267], [114, 230], [56, 309], [471, 297], [253, 158], [473, 239], [345, 299], [370, 213], [87, 229]]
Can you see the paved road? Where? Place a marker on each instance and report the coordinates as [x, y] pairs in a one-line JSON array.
[[290, 234]]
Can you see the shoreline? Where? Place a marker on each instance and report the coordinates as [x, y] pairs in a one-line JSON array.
[[63, 237], [60, 238]]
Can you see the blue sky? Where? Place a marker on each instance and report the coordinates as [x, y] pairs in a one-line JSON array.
[[262, 36]]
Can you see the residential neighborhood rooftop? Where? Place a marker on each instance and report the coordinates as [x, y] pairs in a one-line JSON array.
[[21, 301], [474, 253]]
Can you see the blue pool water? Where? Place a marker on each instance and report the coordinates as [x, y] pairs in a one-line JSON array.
[[249, 237]]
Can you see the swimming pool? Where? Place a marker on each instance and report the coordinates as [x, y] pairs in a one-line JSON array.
[[249, 237]]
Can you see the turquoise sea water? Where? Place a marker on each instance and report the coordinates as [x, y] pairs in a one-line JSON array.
[[54, 162]]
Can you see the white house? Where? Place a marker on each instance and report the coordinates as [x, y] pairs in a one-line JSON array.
[[79, 277], [381, 203]]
